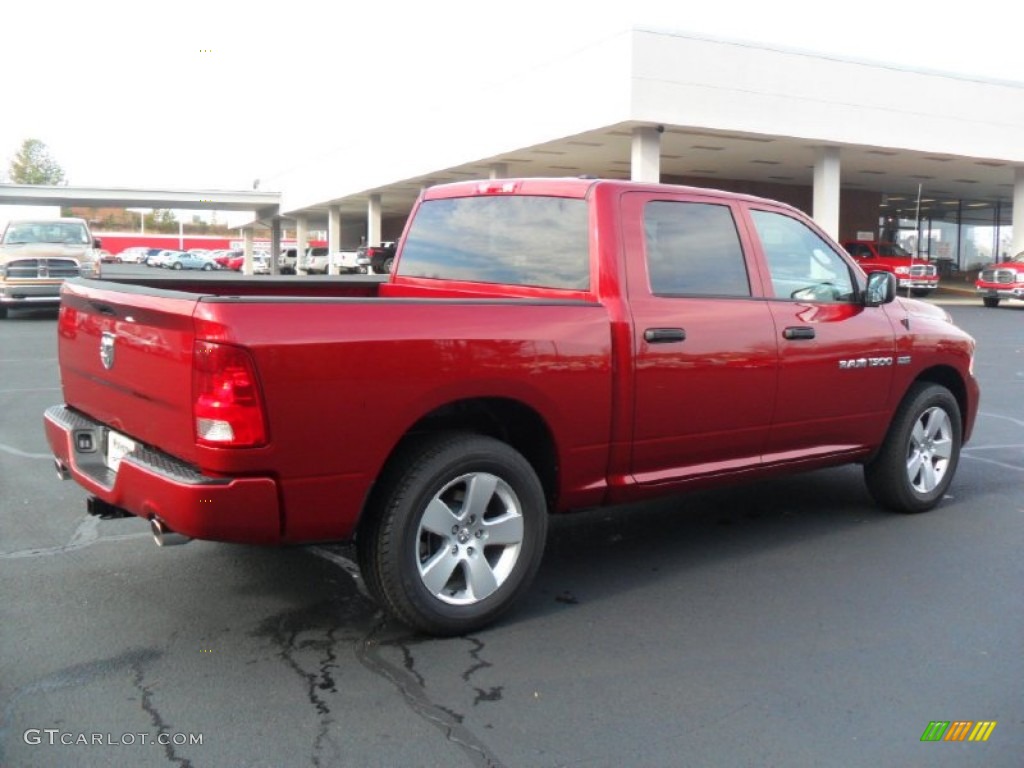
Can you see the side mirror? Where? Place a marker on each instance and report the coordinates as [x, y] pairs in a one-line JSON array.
[[97, 243], [881, 289]]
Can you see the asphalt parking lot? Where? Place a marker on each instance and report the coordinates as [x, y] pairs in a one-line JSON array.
[[789, 623]]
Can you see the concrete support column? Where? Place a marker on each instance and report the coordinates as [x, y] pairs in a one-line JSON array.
[[826, 190], [333, 236], [1017, 214], [301, 241], [645, 163], [333, 228], [247, 250], [275, 245], [373, 220], [499, 170]]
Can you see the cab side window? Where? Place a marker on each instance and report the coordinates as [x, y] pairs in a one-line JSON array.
[[802, 265], [693, 249]]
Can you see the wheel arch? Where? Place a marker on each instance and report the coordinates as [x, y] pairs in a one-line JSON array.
[[510, 421], [948, 377]]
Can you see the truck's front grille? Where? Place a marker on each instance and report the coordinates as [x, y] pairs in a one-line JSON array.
[[33, 269], [923, 270], [1003, 276]]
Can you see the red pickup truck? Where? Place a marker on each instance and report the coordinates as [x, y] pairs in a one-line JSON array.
[[541, 346], [919, 276], [1004, 280]]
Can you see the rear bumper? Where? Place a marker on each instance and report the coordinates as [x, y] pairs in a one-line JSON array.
[[149, 483]]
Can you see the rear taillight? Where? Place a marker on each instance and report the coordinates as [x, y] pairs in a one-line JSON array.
[[226, 402]]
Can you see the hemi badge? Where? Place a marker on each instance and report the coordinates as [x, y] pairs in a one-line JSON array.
[[903, 360], [107, 350]]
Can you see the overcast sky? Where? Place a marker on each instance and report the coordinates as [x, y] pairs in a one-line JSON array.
[[214, 94]]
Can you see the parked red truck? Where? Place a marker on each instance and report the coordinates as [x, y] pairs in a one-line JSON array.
[[1004, 280], [541, 346], [918, 276]]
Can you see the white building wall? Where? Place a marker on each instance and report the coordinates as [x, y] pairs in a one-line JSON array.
[[704, 83], [656, 77], [582, 90]]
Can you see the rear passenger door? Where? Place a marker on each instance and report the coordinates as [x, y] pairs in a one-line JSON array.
[[704, 376], [836, 356]]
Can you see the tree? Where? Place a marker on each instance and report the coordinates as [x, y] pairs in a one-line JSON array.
[[33, 165]]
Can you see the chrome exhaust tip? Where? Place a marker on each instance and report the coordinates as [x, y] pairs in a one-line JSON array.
[[63, 473], [164, 536]]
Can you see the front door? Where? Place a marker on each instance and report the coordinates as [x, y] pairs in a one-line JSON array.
[[836, 356]]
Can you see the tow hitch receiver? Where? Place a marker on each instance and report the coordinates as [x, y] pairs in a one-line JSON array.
[[104, 511]]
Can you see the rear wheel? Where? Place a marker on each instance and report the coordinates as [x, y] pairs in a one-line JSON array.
[[388, 264], [3, 311], [458, 533], [990, 301], [916, 464], [177, 265]]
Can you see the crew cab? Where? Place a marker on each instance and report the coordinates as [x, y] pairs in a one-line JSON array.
[[37, 255], [1004, 280], [918, 275], [542, 346]]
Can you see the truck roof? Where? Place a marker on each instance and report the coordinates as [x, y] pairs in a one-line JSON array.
[[575, 187]]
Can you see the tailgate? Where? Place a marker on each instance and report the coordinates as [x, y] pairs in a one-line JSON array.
[[126, 360]]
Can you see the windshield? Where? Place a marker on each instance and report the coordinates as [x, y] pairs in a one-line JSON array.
[[66, 232], [891, 249]]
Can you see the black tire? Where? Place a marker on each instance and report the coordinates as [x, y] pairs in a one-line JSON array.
[[177, 265], [3, 311], [388, 264], [990, 301], [919, 457], [920, 292], [441, 565], [207, 267]]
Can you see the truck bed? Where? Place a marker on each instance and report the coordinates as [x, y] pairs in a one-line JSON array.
[[343, 373]]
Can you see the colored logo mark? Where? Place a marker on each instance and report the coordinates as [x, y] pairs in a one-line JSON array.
[[959, 730]]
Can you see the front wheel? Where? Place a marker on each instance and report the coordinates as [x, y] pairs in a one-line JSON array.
[[458, 534], [918, 459]]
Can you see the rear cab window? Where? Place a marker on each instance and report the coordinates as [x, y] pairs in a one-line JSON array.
[[525, 240]]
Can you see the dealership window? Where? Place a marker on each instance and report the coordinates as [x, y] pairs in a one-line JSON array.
[[956, 235]]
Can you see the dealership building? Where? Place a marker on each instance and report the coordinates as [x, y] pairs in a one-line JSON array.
[[934, 160]]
